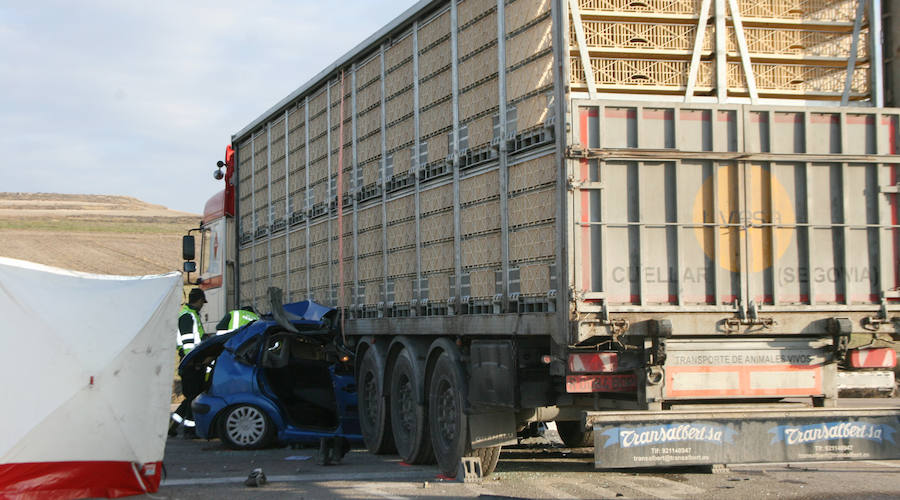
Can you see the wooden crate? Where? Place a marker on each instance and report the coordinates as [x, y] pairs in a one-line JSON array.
[[319, 277], [438, 147], [480, 218], [402, 262], [650, 75], [799, 43], [296, 117], [368, 122], [371, 268], [400, 209], [373, 292], [800, 10], [435, 88], [532, 112], [371, 171], [401, 235], [438, 286], [318, 148], [534, 279], [482, 283], [468, 10], [279, 192], [369, 71], [479, 67], [298, 285], [369, 218], [534, 40], [318, 170], [433, 30], [368, 148], [370, 242], [436, 227], [532, 243], [400, 52], [400, 134], [367, 97], [318, 102], [297, 182], [399, 106], [532, 207], [297, 138], [260, 142], [481, 251], [318, 125], [480, 33], [435, 59], [522, 12], [436, 199], [279, 262], [530, 77], [277, 170], [645, 36], [795, 79], [404, 290], [436, 118], [479, 188], [680, 7], [398, 80], [481, 131], [402, 160], [480, 99], [437, 257]]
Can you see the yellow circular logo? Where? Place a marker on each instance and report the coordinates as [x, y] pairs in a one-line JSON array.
[[743, 224]]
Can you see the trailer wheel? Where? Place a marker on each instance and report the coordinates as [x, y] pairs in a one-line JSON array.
[[409, 419], [374, 419], [446, 420], [573, 435]]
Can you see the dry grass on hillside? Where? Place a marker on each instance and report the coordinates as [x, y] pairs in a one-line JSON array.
[[92, 233]]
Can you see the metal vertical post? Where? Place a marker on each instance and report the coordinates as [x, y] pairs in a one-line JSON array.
[[253, 217], [287, 212], [353, 123], [503, 155], [306, 191], [328, 221], [269, 206], [877, 65], [454, 79], [414, 165], [384, 244], [564, 225], [721, 53]]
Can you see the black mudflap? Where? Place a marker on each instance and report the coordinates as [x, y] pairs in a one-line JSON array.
[[647, 439]]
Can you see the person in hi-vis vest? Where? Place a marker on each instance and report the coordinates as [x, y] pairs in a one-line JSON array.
[[190, 333], [236, 319]]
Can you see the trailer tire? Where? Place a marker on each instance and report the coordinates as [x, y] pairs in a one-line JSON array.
[[447, 421], [374, 417], [409, 419], [573, 434]]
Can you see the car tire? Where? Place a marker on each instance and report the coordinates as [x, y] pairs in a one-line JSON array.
[[374, 415], [245, 427], [574, 435], [447, 421], [408, 418]]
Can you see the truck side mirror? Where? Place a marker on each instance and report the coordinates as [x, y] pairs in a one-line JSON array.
[[190, 267], [187, 247]]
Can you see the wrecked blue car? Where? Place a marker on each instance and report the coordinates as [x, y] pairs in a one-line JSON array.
[[284, 378]]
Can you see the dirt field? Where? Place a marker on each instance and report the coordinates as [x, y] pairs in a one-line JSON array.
[[92, 233]]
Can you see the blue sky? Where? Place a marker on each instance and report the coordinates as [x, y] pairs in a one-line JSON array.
[[139, 98]]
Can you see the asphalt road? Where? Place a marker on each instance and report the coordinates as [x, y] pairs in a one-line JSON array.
[[540, 468]]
